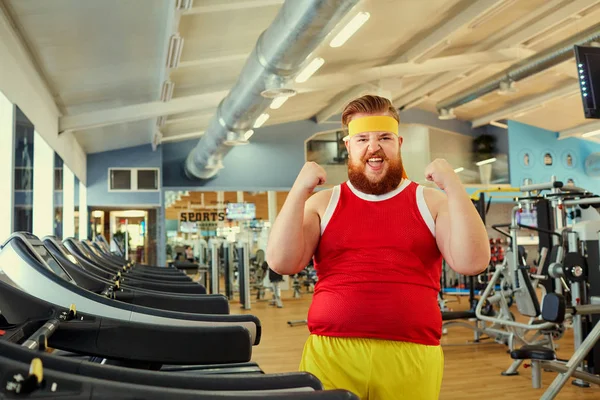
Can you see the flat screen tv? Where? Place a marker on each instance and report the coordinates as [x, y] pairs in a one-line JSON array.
[[588, 70]]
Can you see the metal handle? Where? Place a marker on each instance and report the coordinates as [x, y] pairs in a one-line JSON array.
[[542, 186]]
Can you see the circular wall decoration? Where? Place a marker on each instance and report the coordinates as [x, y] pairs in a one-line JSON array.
[[526, 158], [569, 159], [548, 158]]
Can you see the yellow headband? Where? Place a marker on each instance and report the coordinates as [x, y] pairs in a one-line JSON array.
[[373, 124]]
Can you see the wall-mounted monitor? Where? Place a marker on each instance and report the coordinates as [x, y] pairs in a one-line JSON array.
[[588, 70], [240, 211]]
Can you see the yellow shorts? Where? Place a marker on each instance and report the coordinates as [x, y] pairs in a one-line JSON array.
[[375, 369]]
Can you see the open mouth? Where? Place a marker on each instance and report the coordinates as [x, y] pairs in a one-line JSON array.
[[375, 162]]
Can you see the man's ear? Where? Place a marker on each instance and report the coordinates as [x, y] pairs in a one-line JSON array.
[[347, 144], [400, 141]]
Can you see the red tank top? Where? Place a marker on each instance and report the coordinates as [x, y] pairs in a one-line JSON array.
[[378, 267]]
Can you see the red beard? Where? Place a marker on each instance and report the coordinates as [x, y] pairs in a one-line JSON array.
[[385, 184]]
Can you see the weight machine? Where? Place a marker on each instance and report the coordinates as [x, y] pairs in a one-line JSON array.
[[570, 274]]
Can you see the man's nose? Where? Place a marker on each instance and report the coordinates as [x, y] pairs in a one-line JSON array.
[[374, 144]]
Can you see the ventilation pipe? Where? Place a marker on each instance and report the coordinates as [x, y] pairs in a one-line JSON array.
[[535, 64], [280, 53]]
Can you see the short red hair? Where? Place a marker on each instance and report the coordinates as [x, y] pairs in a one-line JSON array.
[[368, 104]]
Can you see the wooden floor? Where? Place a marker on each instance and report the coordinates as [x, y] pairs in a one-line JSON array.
[[472, 371]]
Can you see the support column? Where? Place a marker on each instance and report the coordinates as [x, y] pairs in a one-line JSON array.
[[161, 232], [83, 212], [272, 208], [272, 205], [43, 187], [68, 222], [240, 197], [7, 151]]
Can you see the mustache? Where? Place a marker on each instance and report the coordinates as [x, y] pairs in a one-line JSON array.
[[379, 153]]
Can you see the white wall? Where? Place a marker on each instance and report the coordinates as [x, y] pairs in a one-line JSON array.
[[454, 147], [83, 212], [43, 187], [415, 151], [6, 166], [22, 85]]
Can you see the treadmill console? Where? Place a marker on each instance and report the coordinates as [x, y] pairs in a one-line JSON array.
[[37, 246]]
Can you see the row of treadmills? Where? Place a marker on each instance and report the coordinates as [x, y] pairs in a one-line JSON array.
[[80, 322]]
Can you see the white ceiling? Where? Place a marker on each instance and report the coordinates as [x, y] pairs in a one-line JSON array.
[[99, 56]]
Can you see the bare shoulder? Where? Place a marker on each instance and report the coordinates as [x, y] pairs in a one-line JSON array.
[[435, 199], [319, 200]]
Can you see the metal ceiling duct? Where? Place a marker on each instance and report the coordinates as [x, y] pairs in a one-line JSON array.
[[533, 65], [280, 53]]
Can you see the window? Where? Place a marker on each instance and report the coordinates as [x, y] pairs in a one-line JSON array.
[[23, 173], [133, 179], [120, 179], [147, 179], [58, 179]]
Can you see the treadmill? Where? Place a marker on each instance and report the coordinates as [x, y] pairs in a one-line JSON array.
[[195, 303], [152, 272], [26, 264], [34, 380], [141, 283], [16, 351], [133, 279]]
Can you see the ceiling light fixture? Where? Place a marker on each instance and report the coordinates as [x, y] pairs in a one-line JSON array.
[[593, 133], [446, 114], [488, 161], [350, 29], [310, 69], [175, 49], [278, 102], [166, 93], [261, 120], [499, 124], [248, 134]]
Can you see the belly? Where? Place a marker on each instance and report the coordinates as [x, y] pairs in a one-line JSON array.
[[383, 310]]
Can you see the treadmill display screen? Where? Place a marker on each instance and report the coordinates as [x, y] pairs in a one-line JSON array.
[[52, 263], [65, 252]]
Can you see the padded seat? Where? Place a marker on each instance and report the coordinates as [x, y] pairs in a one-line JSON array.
[[452, 315], [532, 352]]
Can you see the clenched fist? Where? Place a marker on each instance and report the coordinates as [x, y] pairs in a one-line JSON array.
[[310, 176], [442, 174]]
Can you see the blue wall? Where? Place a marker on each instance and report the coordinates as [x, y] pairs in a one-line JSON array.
[[536, 142], [271, 161], [132, 157]]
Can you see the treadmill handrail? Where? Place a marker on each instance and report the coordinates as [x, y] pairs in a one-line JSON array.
[[166, 317]]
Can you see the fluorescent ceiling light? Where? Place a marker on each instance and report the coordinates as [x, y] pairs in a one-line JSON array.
[[350, 29], [248, 134], [175, 49], [310, 69], [261, 120], [278, 102], [499, 124], [593, 133], [459, 169], [488, 161]]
